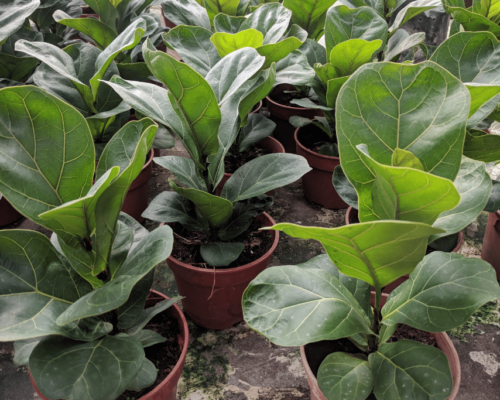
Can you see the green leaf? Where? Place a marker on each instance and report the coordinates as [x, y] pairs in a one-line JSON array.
[[386, 331], [443, 291], [138, 71], [294, 69], [194, 46], [343, 23], [376, 252], [54, 155], [404, 158], [258, 128], [127, 40], [413, 369], [263, 174], [474, 186], [275, 52], [326, 72], [16, 68], [106, 11], [345, 376], [148, 313], [333, 90], [36, 288], [153, 249], [403, 193], [255, 90], [308, 103], [129, 313], [271, 20], [484, 98], [128, 150], [14, 16], [400, 42], [348, 56], [344, 188], [146, 377], [412, 10], [23, 350], [314, 52], [471, 21], [153, 101], [293, 306], [149, 338], [228, 23], [482, 146], [184, 170], [309, 15], [493, 204], [226, 43], [194, 99], [221, 254], [186, 12], [101, 33], [97, 370], [216, 209], [419, 108], [481, 7], [215, 7]]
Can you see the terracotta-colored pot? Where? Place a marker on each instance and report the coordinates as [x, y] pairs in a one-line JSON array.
[[317, 184], [268, 143], [212, 297], [257, 108], [280, 114], [167, 389], [8, 214], [443, 343], [491, 242], [353, 213]]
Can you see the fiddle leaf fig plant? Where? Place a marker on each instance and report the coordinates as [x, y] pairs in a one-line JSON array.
[[204, 113], [77, 299], [406, 199]]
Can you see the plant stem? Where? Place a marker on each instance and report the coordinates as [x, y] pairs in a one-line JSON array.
[[376, 310]]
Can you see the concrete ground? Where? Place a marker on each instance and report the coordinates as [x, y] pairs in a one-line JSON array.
[[239, 364]]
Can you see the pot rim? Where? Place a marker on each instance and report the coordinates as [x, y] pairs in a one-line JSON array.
[[444, 339], [241, 268], [310, 152], [268, 98], [259, 106]]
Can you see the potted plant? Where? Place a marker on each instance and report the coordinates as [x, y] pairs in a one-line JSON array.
[[218, 231], [78, 299], [405, 196]]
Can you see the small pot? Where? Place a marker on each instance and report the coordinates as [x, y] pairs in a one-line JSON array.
[[167, 389], [353, 213], [212, 297], [268, 143], [8, 214], [280, 114], [257, 108], [443, 343], [491, 242], [317, 184]]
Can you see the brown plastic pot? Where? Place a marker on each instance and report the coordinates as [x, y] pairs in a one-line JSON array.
[[317, 184], [212, 297], [8, 214], [280, 114], [167, 389], [313, 353], [353, 213], [268, 143], [491, 242]]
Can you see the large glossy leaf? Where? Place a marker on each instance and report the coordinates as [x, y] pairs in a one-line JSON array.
[[148, 313], [106, 11], [348, 56], [294, 306], [442, 293], [129, 313], [146, 376], [216, 209], [412, 10], [228, 23], [195, 100], [193, 45], [471, 21], [275, 52], [413, 369], [419, 108], [47, 153], [375, 252], [226, 43], [483, 100], [98, 370], [228, 7], [343, 23], [184, 170], [221, 254], [258, 128], [16, 68], [403, 193], [186, 12], [294, 70], [400, 42], [474, 186], [23, 350], [13, 18], [263, 174], [36, 288], [271, 19], [309, 15], [255, 90], [315, 52], [101, 33], [482, 146], [345, 376], [127, 40], [153, 249], [128, 149]]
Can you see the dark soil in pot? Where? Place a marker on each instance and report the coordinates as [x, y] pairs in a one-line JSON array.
[[312, 138], [317, 352], [235, 159], [285, 98], [187, 245], [163, 355]]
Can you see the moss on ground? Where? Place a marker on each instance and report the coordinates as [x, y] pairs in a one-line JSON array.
[[489, 314]]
